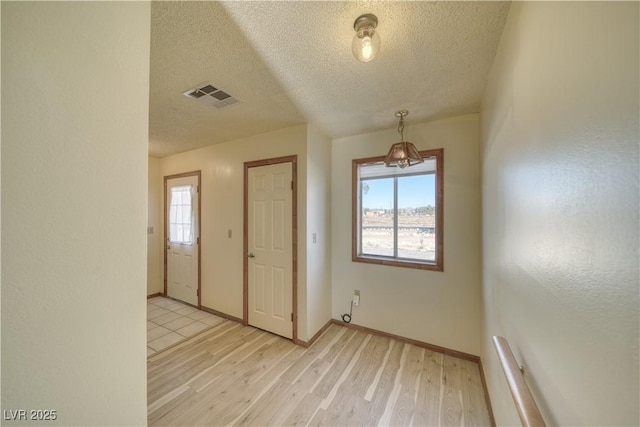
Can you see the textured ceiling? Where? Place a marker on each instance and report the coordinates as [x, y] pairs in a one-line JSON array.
[[291, 63]]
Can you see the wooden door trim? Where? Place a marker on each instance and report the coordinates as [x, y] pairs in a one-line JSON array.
[[166, 227], [294, 237]]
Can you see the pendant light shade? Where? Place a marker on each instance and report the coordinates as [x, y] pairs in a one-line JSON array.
[[402, 154]]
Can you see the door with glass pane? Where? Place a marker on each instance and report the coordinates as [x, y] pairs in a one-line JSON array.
[[182, 267]]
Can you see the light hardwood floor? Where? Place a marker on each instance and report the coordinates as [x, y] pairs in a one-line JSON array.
[[236, 375]]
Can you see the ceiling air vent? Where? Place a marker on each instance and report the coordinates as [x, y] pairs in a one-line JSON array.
[[211, 95]]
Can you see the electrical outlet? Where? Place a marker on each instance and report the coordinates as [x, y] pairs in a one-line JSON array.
[[356, 297]]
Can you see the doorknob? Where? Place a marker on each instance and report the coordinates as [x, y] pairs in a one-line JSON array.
[[250, 255]]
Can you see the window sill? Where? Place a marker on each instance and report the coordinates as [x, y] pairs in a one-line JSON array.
[[431, 266]]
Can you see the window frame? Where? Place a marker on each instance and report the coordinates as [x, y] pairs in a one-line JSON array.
[[438, 264]]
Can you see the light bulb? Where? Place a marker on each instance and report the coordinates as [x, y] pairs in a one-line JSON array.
[[367, 49], [366, 41]]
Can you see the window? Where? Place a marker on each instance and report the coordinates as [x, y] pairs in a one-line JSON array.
[[181, 215], [397, 213]]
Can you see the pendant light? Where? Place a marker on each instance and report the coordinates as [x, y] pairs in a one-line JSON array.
[[402, 154], [366, 42]]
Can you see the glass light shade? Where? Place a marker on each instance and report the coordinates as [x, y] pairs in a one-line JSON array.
[[403, 154], [366, 44]]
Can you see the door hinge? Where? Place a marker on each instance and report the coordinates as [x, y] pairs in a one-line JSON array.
[[292, 317], [292, 185], [197, 188], [197, 240]]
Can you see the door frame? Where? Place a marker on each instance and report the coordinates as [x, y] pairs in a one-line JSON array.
[[294, 237], [166, 228]]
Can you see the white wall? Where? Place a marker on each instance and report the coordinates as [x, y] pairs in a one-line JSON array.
[[441, 308], [74, 177], [222, 167], [560, 219], [318, 291], [155, 259]]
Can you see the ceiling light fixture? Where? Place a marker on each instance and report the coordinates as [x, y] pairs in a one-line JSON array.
[[366, 42], [403, 153]]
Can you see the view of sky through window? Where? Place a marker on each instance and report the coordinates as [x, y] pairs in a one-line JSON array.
[[413, 191]]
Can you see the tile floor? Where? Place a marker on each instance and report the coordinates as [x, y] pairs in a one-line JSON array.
[[170, 321]]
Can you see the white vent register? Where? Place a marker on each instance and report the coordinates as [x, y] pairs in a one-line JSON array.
[[211, 95]]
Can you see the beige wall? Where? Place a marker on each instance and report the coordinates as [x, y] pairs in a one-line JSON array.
[[560, 219], [318, 292], [441, 308], [155, 260], [222, 167], [74, 187]]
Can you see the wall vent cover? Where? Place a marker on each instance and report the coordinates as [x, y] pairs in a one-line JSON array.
[[211, 95]]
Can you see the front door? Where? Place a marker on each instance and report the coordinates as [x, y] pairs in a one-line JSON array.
[[182, 237], [270, 248]]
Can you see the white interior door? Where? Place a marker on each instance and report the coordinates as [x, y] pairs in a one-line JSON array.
[[270, 248], [182, 238]]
